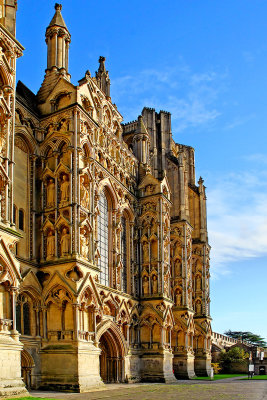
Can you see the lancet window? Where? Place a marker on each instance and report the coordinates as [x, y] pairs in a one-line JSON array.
[[23, 315], [124, 253], [103, 228]]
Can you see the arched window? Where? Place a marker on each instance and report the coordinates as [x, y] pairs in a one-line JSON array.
[[21, 219], [14, 214], [103, 223], [23, 315], [124, 254]]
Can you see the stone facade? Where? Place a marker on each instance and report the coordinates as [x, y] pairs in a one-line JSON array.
[[104, 247]]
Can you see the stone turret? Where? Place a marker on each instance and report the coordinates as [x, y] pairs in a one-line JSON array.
[[57, 38], [102, 77], [8, 10]]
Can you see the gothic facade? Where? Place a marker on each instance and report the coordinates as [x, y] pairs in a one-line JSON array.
[[104, 254]]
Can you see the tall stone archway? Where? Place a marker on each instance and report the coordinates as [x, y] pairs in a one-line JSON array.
[[112, 357]]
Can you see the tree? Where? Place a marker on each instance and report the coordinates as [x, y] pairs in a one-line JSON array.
[[249, 337], [236, 355]]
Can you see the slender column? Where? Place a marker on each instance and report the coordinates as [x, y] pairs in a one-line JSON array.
[[13, 308], [76, 320], [44, 311]]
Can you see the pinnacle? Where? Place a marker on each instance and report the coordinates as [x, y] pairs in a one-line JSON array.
[[57, 18]]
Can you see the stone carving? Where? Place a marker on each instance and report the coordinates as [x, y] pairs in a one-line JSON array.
[[50, 193], [84, 244], [145, 252], [198, 307], [84, 195], [154, 284], [178, 298], [64, 242], [198, 283], [50, 245], [65, 188], [145, 285], [177, 268]]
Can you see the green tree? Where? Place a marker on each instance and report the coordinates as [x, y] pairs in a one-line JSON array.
[[234, 355], [249, 337]]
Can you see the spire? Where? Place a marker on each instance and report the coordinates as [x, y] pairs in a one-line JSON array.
[[57, 18], [57, 39], [102, 77]]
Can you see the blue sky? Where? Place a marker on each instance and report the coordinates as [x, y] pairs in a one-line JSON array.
[[206, 63]]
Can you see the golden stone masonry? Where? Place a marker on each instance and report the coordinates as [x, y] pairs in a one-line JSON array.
[[104, 254]]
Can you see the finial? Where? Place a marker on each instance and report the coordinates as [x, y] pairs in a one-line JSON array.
[[102, 59], [201, 180], [58, 7]]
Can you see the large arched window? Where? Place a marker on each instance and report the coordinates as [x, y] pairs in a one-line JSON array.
[[103, 223], [124, 254]]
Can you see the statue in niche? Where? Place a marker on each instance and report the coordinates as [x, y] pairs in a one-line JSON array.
[[177, 268], [65, 188], [84, 195], [50, 193], [154, 284], [64, 126], [145, 252], [50, 245], [84, 243], [177, 250], [198, 307], [50, 129], [166, 253], [198, 283], [64, 242], [178, 298], [145, 285]]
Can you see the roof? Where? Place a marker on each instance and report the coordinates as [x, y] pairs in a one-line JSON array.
[[26, 97], [57, 18]]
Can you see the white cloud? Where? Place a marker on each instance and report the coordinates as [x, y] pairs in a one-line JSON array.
[[237, 219], [189, 96]]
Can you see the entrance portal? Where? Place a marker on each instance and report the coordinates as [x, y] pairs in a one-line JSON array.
[[27, 364], [111, 358]]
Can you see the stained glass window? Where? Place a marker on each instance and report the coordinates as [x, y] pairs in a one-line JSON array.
[[103, 239]]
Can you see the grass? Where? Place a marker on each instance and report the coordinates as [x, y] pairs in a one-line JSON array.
[[217, 377], [30, 398], [259, 377]]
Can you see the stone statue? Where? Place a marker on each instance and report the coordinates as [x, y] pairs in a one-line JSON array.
[[198, 283], [145, 252], [177, 268], [178, 299], [176, 250], [84, 196], [84, 245], [198, 307], [65, 188], [145, 285], [64, 242], [50, 193], [154, 284], [50, 245]]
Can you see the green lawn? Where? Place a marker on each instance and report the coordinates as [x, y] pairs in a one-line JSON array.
[[219, 376], [259, 377], [30, 398]]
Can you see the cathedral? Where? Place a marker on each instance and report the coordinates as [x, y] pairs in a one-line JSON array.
[[104, 254]]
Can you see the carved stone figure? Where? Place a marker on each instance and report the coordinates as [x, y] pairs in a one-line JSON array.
[[198, 307], [145, 252], [177, 268], [65, 188], [64, 243], [154, 284], [145, 285], [84, 245], [84, 196], [50, 245], [178, 298], [198, 283], [51, 193], [176, 250]]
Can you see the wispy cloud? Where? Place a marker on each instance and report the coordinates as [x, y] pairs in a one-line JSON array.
[[189, 96], [237, 219]]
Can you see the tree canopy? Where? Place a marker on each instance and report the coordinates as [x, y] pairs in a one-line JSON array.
[[249, 337]]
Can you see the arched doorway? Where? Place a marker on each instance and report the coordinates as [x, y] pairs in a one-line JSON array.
[[27, 364], [111, 357]]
